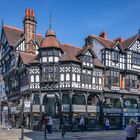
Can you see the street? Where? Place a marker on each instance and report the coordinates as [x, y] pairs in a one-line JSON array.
[[14, 134]]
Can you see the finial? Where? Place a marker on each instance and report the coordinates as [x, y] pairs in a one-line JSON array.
[[50, 21]]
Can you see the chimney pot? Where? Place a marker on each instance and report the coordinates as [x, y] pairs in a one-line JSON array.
[[103, 35]]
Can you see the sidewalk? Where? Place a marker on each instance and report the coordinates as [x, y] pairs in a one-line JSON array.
[[14, 134], [39, 135]]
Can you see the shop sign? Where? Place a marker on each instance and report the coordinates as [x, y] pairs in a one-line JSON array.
[[114, 114], [131, 114], [51, 95], [107, 101], [5, 108], [127, 103], [13, 109], [27, 104]]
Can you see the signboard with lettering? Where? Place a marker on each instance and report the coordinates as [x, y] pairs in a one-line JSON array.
[[27, 104]]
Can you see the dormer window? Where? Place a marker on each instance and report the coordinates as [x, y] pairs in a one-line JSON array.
[[87, 61], [115, 56]]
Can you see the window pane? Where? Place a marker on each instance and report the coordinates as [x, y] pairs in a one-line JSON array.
[[32, 78], [78, 78], [67, 77], [50, 59], [37, 78], [73, 77], [62, 77]]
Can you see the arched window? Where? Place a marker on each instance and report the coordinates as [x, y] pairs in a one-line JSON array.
[[37, 78], [32, 78], [67, 77], [78, 78], [62, 77], [73, 77]]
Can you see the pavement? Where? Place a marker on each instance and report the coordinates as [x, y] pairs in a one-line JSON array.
[[14, 134]]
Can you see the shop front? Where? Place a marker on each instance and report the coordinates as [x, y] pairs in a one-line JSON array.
[[128, 116], [115, 120]]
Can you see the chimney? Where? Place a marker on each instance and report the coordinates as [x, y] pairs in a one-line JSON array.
[[103, 35], [29, 30], [120, 39]]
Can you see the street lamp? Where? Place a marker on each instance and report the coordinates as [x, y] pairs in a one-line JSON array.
[[122, 112], [21, 121], [101, 115]]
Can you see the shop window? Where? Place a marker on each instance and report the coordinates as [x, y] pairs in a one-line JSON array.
[[78, 100], [65, 99]]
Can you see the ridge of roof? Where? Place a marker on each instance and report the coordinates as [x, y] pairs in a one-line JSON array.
[[12, 27], [102, 38], [69, 45]]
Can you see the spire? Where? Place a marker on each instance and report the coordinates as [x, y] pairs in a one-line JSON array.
[[50, 21]]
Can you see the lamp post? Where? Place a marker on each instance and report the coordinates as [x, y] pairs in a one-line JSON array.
[[122, 112], [101, 115], [22, 113]]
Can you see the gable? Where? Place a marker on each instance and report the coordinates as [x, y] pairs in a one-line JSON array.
[[88, 53], [117, 48], [135, 46]]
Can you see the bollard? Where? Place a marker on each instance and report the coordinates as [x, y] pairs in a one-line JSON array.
[[63, 130], [22, 133], [45, 133]]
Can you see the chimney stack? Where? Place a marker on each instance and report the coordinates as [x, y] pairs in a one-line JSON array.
[[120, 39], [30, 30], [103, 35]]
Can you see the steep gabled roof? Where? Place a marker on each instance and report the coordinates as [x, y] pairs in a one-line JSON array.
[[127, 43], [70, 53], [28, 58], [14, 34], [85, 49], [106, 42]]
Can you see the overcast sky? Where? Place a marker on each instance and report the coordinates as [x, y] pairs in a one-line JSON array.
[[73, 20]]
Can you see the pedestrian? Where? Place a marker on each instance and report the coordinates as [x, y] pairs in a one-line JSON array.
[[49, 124], [82, 123], [107, 124], [131, 131]]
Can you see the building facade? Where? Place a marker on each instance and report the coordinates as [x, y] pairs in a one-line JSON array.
[[49, 78]]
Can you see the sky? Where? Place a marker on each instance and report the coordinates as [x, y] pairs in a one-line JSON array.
[[74, 20]]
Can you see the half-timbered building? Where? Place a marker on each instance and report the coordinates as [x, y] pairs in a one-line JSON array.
[[56, 79], [96, 81], [121, 77]]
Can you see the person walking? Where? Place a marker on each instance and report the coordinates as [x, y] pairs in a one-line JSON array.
[[107, 124], [131, 131], [49, 124], [82, 123]]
